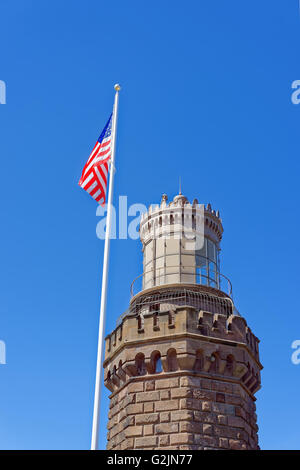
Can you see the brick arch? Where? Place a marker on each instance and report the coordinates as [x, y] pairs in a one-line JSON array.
[[214, 362], [140, 364], [172, 363], [199, 361], [230, 365], [155, 357]]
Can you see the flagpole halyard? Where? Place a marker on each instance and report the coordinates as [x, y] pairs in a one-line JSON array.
[[99, 369]]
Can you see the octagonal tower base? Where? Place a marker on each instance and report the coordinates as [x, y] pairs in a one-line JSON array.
[[183, 377]]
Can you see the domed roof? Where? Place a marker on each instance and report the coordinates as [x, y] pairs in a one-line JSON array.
[[180, 198]]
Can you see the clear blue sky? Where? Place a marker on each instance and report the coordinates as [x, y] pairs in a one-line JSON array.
[[206, 92]]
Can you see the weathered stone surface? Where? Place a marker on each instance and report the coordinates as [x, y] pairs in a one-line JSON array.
[[148, 407], [150, 385], [191, 426], [207, 429], [185, 407], [164, 440], [222, 419], [145, 442], [167, 383], [237, 445], [166, 428], [206, 441], [182, 415], [235, 421], [220, 397], [190, 382], [134, 431], [148, 429], [147, 418], [206, 406], [182, 438], [147, 396], [135, 387], [164, 417], [166, 405], [183, 392], [223, 443], [164, 394], [134, 409]]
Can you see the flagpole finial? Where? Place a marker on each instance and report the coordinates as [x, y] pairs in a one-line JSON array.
[[117, 87]]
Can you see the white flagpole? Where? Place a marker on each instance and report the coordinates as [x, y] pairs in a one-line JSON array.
[[99, 370]]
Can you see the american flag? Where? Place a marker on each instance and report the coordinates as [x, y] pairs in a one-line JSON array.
[[94, 174]]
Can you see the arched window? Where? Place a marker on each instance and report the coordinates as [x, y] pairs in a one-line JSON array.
[[229, 365], [158, 367], [198, 366], [156, 364], [214, 363], [172, 360], [140, 364]]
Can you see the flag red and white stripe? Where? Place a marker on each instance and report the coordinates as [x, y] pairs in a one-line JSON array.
[[95, 172]]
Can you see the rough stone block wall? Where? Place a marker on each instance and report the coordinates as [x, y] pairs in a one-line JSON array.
[[202, 394], [182, 412]]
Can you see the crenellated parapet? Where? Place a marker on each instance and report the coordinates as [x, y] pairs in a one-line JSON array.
[[178, 215], [184, 339]]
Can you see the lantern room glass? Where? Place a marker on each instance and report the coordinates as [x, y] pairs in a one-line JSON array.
[[207, 261]]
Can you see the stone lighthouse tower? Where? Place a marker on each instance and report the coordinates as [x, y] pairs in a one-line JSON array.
[[182, 365]]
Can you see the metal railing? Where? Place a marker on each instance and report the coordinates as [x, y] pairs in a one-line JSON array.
[[170, 298], [180, 275]]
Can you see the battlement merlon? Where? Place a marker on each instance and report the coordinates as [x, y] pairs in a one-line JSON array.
[[180, 215], [187, 331]]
